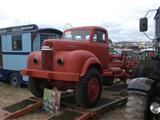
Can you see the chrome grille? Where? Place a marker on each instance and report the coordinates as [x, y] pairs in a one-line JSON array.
[[47, 58]]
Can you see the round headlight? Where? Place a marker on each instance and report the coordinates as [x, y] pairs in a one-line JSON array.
[[35, 60], [155, 108], [60, 61]]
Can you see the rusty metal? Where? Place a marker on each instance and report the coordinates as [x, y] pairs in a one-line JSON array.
[[85, 116], [21, 108]]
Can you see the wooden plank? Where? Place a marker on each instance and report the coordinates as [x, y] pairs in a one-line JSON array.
[[112, 98], [4, 114], [21, 108]]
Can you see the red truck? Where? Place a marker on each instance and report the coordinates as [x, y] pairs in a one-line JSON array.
[[79, 61]]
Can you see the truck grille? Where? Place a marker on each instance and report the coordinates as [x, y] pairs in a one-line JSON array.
[[47, 59]]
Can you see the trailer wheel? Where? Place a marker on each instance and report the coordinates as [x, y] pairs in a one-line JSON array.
[[136, 107], [88, 89], [37, 86], [14, 79]]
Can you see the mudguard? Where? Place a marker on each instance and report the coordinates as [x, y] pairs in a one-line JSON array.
[[140, 86], [77, 61]]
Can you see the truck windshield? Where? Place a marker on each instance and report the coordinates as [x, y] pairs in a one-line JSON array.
[[81, 34]]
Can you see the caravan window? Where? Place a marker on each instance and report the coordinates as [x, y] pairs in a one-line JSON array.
[[17, 42], [47, 36]]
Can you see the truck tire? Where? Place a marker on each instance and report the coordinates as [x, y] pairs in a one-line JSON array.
[[88, 89], [14, 80], [37, 86], [136, 107]]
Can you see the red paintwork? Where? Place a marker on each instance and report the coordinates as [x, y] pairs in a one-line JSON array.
[[62, 76], [78, 57], [152, 54]]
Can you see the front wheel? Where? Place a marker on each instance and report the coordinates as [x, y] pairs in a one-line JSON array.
[[37, 85], [88, 89]]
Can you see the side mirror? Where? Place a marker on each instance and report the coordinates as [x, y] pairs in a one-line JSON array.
[[143, 24]]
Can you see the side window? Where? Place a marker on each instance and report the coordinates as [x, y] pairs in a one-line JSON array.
[[17, 42], [99, 36]]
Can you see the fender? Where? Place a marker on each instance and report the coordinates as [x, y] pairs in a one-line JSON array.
[[140, 86], [89, 62], [34, 55], [76, 61]]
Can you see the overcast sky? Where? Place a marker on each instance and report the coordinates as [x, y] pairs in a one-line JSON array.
[[119, 17]]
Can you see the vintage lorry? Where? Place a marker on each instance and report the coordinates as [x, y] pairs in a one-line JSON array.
[[79, 61]]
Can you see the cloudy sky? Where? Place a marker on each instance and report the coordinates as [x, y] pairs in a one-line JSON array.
[[119, 17]]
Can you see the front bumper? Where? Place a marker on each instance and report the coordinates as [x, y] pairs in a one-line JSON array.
[[51, 75]]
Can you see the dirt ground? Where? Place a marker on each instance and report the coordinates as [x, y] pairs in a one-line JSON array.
[[10, 95]]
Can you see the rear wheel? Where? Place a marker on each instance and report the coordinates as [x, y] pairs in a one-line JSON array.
[[88, 89], [37, 85], [14, 80]]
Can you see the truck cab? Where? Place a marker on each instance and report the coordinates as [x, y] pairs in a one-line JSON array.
[[96, 39]]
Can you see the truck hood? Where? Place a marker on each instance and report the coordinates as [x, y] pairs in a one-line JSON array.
[[67, 45]]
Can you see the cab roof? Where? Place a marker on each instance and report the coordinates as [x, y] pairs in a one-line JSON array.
[[86, 27]]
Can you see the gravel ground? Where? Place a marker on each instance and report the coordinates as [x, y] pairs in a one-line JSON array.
[[10, 95]]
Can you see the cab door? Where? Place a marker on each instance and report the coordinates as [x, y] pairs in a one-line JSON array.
[[1, 54], [100, 47]]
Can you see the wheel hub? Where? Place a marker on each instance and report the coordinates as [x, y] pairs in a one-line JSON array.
[[93, 89], [14, 81]]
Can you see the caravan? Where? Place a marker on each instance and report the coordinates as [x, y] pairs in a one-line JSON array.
[[15, 45]]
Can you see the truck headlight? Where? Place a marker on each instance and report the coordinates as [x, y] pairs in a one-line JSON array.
[[35, 60], [155, 108], [60, 61]]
